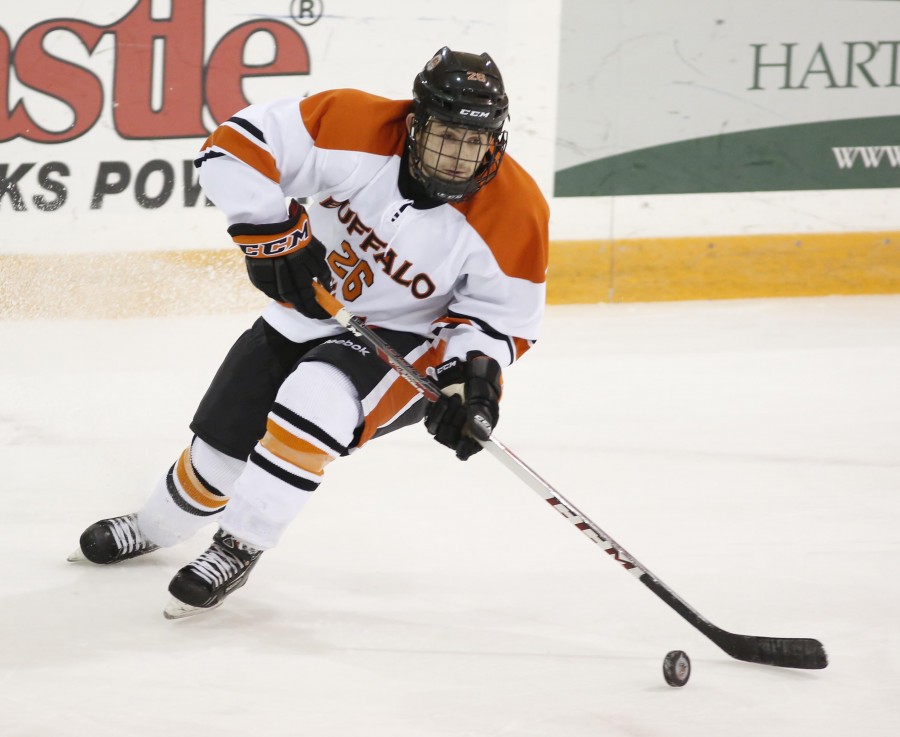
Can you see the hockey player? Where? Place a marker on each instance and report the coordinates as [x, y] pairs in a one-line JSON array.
[[419, 222]]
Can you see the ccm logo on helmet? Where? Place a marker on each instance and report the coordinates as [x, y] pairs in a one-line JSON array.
[[473, 113]]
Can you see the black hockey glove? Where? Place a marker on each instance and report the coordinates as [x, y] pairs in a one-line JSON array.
[[469, 407], [284, 258]]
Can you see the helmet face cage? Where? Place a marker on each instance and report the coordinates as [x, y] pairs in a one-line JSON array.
[[452, 161], [456, 141]]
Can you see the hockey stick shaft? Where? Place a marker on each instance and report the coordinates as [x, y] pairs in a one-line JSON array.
[[785, 652]]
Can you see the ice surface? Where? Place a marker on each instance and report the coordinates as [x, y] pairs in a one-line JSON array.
[[747, 452]]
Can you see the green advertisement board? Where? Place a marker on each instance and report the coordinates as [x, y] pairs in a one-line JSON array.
[[692, 97]]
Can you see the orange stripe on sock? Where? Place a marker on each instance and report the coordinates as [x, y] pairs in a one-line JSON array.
[[296, 451], [193, 487]]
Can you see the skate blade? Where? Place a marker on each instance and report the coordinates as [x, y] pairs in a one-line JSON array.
[[76, 556], [176, 609]]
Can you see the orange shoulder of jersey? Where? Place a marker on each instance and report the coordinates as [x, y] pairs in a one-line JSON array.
[[352, 120], [512, 217]]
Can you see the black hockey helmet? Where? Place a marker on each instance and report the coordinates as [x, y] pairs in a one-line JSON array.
[[464, 91]]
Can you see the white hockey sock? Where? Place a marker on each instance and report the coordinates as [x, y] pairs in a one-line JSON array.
[[190, 496], [311, 423]]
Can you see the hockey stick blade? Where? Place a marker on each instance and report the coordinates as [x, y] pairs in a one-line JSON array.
[[784, 652]]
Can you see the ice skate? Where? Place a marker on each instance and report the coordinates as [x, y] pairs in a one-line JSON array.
[[112, 540], [204, 583]]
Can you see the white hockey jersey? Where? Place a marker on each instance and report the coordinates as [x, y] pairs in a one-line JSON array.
[[471, 275]]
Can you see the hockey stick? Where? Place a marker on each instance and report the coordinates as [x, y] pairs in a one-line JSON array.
[[785, 652]]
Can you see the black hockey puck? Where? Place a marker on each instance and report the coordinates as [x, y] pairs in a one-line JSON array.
[[676, 668]]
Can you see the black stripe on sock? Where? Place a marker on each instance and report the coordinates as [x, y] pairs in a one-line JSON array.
[[180, 502], [278, 472], [279, 410], [206, 485]]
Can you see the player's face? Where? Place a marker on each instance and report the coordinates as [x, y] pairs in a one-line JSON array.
[[452, 153]]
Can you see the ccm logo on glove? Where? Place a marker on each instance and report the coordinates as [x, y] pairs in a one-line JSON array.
[[284, 259], [467, 411], [294, 233]]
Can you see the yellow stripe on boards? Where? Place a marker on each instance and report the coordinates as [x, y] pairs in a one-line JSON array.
[[131, 284], [209, 282], [727, 267], [579, 271]]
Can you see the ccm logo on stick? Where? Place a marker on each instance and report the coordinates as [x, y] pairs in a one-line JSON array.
[[473, 113]]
